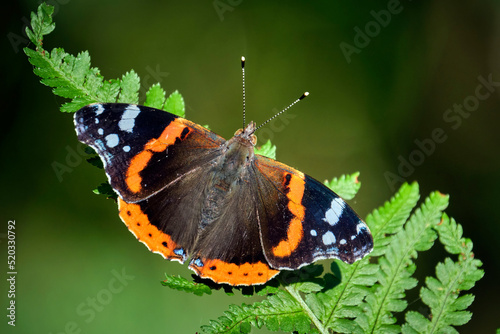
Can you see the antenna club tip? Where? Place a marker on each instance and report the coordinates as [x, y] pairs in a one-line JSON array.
[[242, 58], [304, 95], [242, 62]]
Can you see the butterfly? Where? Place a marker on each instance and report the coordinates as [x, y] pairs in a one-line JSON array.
[[187, 193]]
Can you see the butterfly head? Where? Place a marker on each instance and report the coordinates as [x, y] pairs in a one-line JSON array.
[[247, 134], [239, 150]]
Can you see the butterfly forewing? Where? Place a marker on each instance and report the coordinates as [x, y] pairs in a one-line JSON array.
[[143, 149]]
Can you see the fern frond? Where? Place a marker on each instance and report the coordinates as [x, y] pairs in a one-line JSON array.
[[389, 219], [182, 284], [338, 306], [41, 24], [442, 293], [278, 312], [346, 186], [342, 302], [72, 77], [397, 267]]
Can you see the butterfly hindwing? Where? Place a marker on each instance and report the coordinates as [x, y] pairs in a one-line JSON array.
[[168, 221], [307, 222], [143, 149]]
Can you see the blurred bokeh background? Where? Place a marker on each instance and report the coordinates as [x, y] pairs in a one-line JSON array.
[[377, 91]]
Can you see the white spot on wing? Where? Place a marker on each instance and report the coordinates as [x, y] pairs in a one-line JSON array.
[[112, 140], [96, 120], [342, 242], [360, 227], [126, 148], [99, 109], [127, 121], [314, 233], [100, 131], [333, 214], [328, 238]]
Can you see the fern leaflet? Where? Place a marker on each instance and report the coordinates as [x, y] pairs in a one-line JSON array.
[[442, 293]]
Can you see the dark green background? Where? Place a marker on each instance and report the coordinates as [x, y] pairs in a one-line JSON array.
[[361, 116]]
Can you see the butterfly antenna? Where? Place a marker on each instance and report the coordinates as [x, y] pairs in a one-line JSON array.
[[282, 111], [243, 75]]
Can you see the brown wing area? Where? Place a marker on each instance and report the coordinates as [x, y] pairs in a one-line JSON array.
[[281, 213], [229, 249], [182, 147], [172, 215]]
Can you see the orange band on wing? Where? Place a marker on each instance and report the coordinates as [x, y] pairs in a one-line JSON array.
[[141, 160], [231, 273], [137, 164], [295, 230], [138, 223]]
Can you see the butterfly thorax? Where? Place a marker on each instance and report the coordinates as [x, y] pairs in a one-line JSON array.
[[229, 173]]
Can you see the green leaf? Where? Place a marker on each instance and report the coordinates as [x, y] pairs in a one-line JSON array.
[[129, 85], [346, 186], [96, 161], [89, 150], [278, 312], [308, 287], [76, 104], [182, 284], [109, 91], [106, 190], [175, 104], [442, 293], [155, 97], [71, 77], [267, 150], [390, 218], [397, 267], [41, 24]]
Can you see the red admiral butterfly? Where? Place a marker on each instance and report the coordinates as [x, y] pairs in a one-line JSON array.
[[186, 192]]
